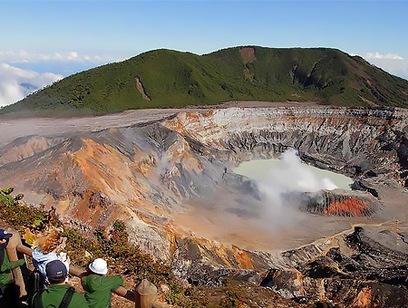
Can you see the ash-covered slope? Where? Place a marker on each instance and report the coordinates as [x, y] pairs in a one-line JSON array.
[[171, 181]]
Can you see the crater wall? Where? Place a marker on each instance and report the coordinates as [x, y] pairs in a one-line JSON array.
[[355, 142]]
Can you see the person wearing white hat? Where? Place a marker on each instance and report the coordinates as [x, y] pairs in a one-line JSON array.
[[99, 287]]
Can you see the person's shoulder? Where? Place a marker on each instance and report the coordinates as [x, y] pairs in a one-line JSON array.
[[57, 287], [89, 277], [92, 282], [117, 278], [115, 281], [78, 294], [78, 300], [36, 252], [111, 278]]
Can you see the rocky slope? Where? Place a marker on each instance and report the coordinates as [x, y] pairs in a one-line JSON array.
[[172, 182], [366, 268]]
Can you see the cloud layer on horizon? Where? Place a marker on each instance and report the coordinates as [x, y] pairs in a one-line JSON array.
[[23, 56], [23, 72], [392, 63], [16, 83]]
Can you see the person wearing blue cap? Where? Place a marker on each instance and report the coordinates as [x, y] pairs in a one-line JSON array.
[[9, 292], [58, 293]]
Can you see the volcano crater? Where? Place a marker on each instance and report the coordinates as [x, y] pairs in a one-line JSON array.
[[171, 180]]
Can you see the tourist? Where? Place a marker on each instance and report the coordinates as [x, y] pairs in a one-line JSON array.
[[47, 248], [98, 286], [9, 291], [58, 294]]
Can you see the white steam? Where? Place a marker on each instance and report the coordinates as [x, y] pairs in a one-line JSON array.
[[272, 221], [290, 174], [163, 164], [281, 182]]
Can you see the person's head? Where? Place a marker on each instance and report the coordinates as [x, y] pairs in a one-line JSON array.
[[99, 266], [56, 271], [4, 237], [49, 241]]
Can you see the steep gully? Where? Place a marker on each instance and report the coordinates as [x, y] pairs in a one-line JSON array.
[[171, 180]]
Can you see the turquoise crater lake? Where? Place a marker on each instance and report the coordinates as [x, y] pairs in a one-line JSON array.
[[289, 172]]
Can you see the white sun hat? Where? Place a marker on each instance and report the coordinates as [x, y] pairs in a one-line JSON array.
[[99, 266]]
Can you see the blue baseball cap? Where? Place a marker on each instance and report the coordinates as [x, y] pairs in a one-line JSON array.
[[4, 234], [56, 270]]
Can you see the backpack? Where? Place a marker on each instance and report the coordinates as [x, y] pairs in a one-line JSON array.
[[34, 284], [64, 302], [1, 256]]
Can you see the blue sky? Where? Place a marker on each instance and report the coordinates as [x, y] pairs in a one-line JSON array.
[[42, 41]]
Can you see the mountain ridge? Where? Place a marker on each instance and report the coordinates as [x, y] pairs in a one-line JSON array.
[[165, 78]]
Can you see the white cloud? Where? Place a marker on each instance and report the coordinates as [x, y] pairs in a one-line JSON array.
[[392, 63], [16, 83], [22, 56], [73, 55], [377, 55]]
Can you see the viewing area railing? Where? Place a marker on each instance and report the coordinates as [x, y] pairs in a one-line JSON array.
[[144, 294]]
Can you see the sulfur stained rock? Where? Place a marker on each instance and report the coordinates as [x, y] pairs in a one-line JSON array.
[[341, 202]]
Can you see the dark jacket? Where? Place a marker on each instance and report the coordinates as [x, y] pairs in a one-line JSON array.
[[98, 289]]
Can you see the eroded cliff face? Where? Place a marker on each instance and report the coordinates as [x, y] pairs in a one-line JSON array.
[[356, 142], [172, 182]]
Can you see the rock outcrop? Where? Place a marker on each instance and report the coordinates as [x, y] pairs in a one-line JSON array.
[[340, 202], [368, 268]]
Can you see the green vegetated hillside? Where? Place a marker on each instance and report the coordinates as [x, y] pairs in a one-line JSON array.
[[166, 79]]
